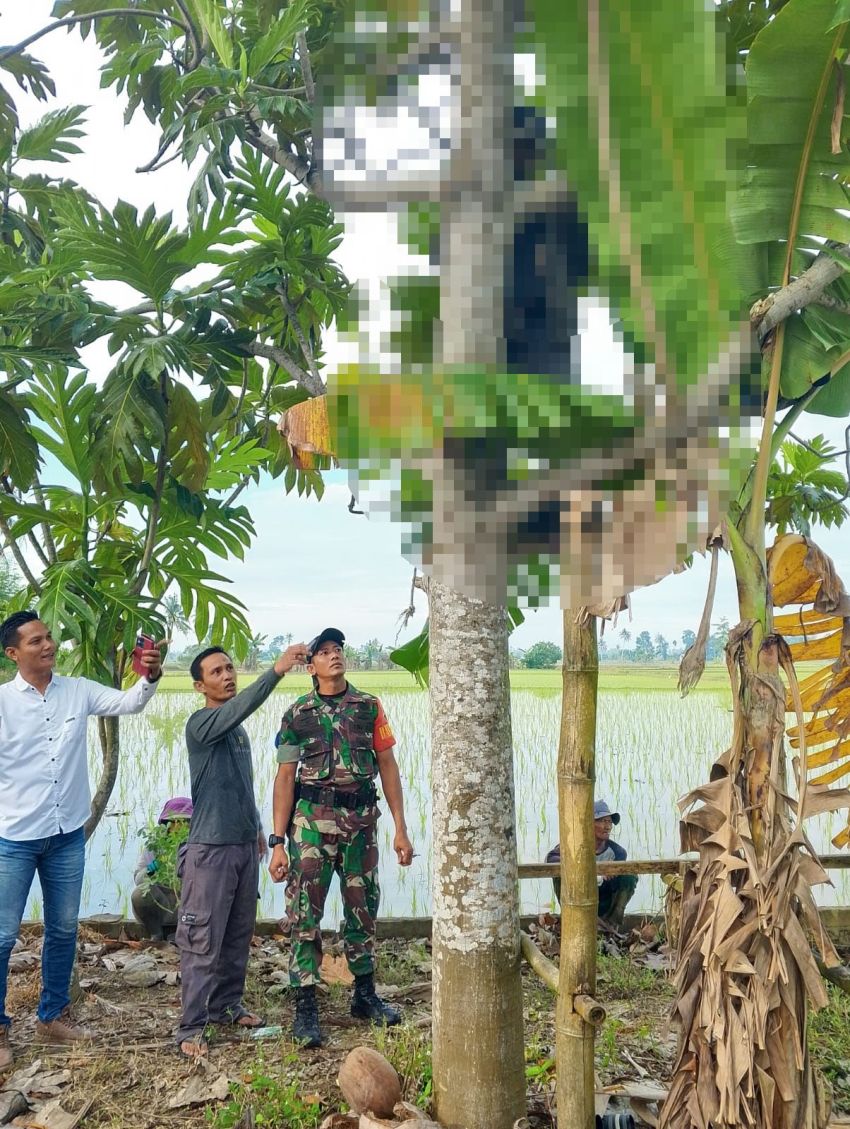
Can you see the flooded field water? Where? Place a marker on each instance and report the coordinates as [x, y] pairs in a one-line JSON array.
[[652, 748]]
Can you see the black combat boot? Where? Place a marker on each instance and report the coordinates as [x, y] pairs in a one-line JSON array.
[[367, 1004], [305, 1029]]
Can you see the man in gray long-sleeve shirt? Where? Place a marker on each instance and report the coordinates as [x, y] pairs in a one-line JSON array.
[[219, 865]]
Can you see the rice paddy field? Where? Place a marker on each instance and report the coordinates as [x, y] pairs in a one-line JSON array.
[[652, 747]]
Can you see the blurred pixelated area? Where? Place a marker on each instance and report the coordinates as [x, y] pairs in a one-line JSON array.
[[542, 161]]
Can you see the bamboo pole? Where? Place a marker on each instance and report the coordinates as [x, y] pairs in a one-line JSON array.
[[629, 866], [652, 866], [579, 897], [590, 1010]]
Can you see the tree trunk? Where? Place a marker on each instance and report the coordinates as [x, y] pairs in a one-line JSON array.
[[479, 1079], [478, 1057], [108, 731], [579, 896]]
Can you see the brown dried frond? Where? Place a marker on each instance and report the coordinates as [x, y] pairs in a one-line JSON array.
[[745, 967], [692, 662], [606, 611], [306, 429]]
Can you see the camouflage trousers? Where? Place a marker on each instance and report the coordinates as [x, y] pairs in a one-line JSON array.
[[324, 840]]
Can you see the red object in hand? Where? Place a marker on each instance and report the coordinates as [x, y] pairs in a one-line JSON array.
[[143, 643]]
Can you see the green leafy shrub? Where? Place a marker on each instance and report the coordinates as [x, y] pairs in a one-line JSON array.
[[273, 1101], [164, 840]]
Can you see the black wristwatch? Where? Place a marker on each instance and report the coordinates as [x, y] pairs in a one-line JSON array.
[[277, 840]]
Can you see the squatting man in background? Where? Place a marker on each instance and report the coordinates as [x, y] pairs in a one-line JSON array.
[[219, 863], [155, 903], [332, 744], [615, 892], [44, 802]]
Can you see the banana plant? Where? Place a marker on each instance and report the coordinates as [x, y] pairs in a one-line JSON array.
[[747, 976]]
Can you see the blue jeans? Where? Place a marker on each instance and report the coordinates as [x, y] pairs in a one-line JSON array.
[[59, 861]]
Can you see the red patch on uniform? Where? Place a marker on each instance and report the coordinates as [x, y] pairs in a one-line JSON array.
[[382, 735]]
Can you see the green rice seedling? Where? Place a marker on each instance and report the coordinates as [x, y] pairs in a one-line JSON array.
[[652, 747]]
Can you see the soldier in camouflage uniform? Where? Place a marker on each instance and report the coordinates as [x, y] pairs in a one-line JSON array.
[[332, 744]]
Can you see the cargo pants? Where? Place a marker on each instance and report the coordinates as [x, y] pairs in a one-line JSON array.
[[215, 924], [323, 841]]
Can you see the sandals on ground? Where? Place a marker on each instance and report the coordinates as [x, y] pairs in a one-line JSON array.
[[241, 1017], [194, 1048]]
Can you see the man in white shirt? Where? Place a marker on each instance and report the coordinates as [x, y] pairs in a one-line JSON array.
[[44, 802]]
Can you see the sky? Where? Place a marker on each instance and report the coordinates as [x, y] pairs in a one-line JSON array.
[[313, 564]]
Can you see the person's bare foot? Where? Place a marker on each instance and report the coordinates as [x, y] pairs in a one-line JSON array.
[[195, 1048]]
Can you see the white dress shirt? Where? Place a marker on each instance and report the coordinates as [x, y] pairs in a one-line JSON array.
[[44, 778]]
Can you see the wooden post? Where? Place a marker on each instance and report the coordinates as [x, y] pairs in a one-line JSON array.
[[579, 896]]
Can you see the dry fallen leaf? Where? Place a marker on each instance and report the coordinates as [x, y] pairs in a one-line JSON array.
[[33, 1080], [52, 1116], [334, 970], [199, 1089]]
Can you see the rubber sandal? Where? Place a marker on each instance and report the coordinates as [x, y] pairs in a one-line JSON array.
[[241, 1017], [249, 1019], [200, 1048]]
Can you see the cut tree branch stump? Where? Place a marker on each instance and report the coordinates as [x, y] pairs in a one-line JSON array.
[[545, 968]]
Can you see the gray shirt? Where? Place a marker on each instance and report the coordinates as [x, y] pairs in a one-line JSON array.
[[220, 768]]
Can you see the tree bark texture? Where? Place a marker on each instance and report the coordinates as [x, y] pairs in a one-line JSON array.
[[579, 895], [108, 732], [478, 1063], [478, 1055]]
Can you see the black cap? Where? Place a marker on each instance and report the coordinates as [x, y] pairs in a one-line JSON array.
[[329, 635]]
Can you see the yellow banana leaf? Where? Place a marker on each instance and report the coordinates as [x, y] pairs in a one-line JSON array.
[[818, 630]]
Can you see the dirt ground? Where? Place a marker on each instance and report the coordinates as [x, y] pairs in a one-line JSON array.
[[133, 1076]]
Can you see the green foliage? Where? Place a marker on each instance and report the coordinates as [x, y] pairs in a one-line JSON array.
[[9, 584], [644, 650], [54, 137], [18, 449], [184, 415], [415, 301], [164, 840], [542, 656], [419, 228], [646, 146], [119, 245], [272, 1099], [801, 490], [31, 76], [827, 1040], [539, 1066], [414, 655], [624, 979], [122, 490], [409, 1050], [789, 151], [214, 80]]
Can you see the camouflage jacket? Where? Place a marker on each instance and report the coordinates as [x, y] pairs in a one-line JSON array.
[[333, 741]]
